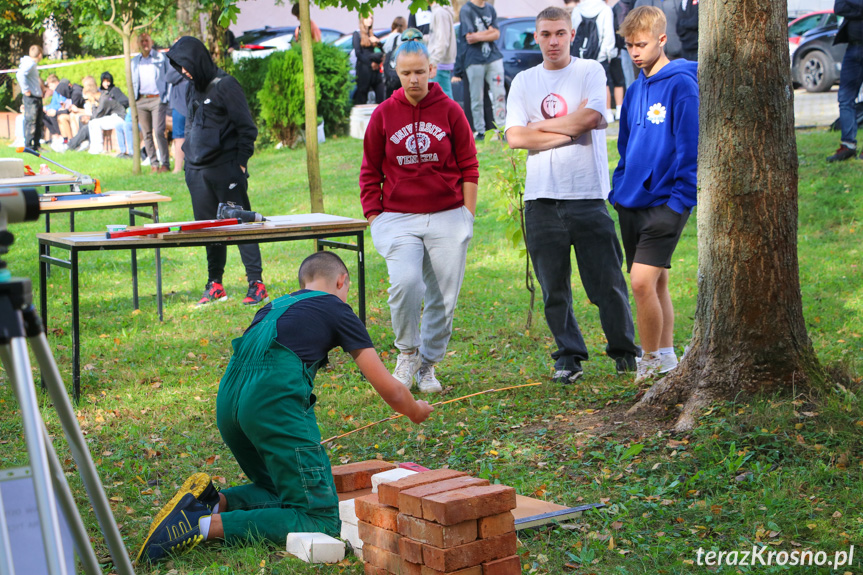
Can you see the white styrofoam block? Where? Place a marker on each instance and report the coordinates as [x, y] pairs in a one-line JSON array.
[[358, 553], [351, 534], [348, 512], [315, 547], [388, 476]]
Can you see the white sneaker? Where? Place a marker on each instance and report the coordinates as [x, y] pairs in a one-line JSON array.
[[617, 114], [59, 147], [609, 116], [667, 362], [648, 367], [407, 365], [426, 381]]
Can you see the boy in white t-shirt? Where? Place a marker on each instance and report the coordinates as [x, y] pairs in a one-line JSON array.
[[556, 112]]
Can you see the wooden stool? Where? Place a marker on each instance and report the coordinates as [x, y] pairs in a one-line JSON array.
[[108, 140]]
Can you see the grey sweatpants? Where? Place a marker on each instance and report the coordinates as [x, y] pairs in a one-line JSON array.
[[425, 255], [492, 74]]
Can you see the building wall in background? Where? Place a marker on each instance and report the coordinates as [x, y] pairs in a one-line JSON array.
[[260, 13]]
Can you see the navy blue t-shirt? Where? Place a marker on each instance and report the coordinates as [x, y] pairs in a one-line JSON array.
[[313, 326]]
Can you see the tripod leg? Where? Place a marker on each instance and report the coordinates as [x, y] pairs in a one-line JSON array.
[[17, 362], [67, 504], [6, 567], [81, 453]]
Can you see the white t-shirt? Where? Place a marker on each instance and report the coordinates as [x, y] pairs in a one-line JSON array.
[[576, 171]]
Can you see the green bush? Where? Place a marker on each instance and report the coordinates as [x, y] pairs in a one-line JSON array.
[[251, 73], [282, 97]]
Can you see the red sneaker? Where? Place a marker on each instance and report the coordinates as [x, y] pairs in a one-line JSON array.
[[213, 292], [257, 293]]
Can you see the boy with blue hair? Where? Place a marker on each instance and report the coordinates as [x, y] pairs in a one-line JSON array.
[[265, 413], [655, 183]]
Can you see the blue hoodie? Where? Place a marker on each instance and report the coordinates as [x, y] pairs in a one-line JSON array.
[[658, 140]]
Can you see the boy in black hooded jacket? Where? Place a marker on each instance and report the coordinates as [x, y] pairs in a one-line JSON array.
[[220, 139]]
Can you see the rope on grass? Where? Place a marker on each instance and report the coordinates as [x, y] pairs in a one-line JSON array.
[[393, 417]]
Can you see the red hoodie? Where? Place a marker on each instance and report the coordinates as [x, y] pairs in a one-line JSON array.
[[398, 175]]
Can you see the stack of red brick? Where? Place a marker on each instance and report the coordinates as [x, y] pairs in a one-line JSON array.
[[440, 522]]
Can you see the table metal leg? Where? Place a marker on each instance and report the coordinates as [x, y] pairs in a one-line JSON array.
[[76, 328], [72, 221], [361, 272], [48, 231], [134, 266], [43, 296], [159, 304]]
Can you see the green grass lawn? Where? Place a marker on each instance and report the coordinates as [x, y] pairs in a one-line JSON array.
[[783, 471]]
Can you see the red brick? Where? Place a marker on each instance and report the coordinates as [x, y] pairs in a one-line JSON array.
[[496, 525], [355, 476], [390, 562], [506, 566], [380, 538], [441, 536], [469, 555], [410, 500], [410, 550], [451, 507], [371, 510], [370, 569], [476, 570], [389, 492]]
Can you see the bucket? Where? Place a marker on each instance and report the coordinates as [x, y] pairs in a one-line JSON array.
[[360, 116]]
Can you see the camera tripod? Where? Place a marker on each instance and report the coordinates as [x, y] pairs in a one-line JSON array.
[[20, 325]]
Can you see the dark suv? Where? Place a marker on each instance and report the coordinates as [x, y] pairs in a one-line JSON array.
[[816, 61]]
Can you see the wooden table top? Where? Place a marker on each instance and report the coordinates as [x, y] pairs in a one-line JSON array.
[[279, 227], [108, 200]]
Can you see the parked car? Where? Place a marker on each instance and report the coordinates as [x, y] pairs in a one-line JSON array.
[[805, 23], [518, 47], [262, 42], [816, 62]]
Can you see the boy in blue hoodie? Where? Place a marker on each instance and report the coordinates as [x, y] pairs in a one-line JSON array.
[[654, 185]]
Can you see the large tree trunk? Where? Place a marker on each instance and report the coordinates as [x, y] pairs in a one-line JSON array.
[[313, 165], [187, 18], [749, 333]]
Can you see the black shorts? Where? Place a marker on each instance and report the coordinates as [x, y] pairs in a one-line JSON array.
[[614, 73], [650, 234]]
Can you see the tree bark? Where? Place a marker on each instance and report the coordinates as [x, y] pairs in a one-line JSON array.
[[187, 18], [313, 165], [749, 334]]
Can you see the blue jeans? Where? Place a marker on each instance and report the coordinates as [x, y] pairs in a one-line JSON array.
[[628, 70], [554, 227], [850, 80], [444, 80]]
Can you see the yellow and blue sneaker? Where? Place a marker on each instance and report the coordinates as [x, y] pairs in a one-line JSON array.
[[177, 531]]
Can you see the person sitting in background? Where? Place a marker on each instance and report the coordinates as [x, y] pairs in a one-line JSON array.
[[316, 32], [53, 111], [108, 115], [74, 95], [81, 140]]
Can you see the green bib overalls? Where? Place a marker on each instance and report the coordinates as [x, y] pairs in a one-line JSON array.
[[265, 413]]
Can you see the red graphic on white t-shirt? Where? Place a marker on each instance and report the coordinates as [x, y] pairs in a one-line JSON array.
[[553, 106]]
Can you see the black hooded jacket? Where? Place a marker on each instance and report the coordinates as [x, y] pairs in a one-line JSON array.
[[112, 100], [73, 92], [219, 126]]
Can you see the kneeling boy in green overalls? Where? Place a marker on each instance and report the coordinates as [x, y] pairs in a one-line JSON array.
[[265, 413]]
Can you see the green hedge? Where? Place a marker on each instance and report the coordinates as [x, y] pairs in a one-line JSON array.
[[75, 72]]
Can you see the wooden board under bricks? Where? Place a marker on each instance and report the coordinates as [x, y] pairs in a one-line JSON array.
[[355, 476], [389, 492], [371, 510], [476, 553], [436, 535], [451, 507], [496, 525], [506, 566], [476, 570], [410, 500], [410, 550], [380, 538]]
